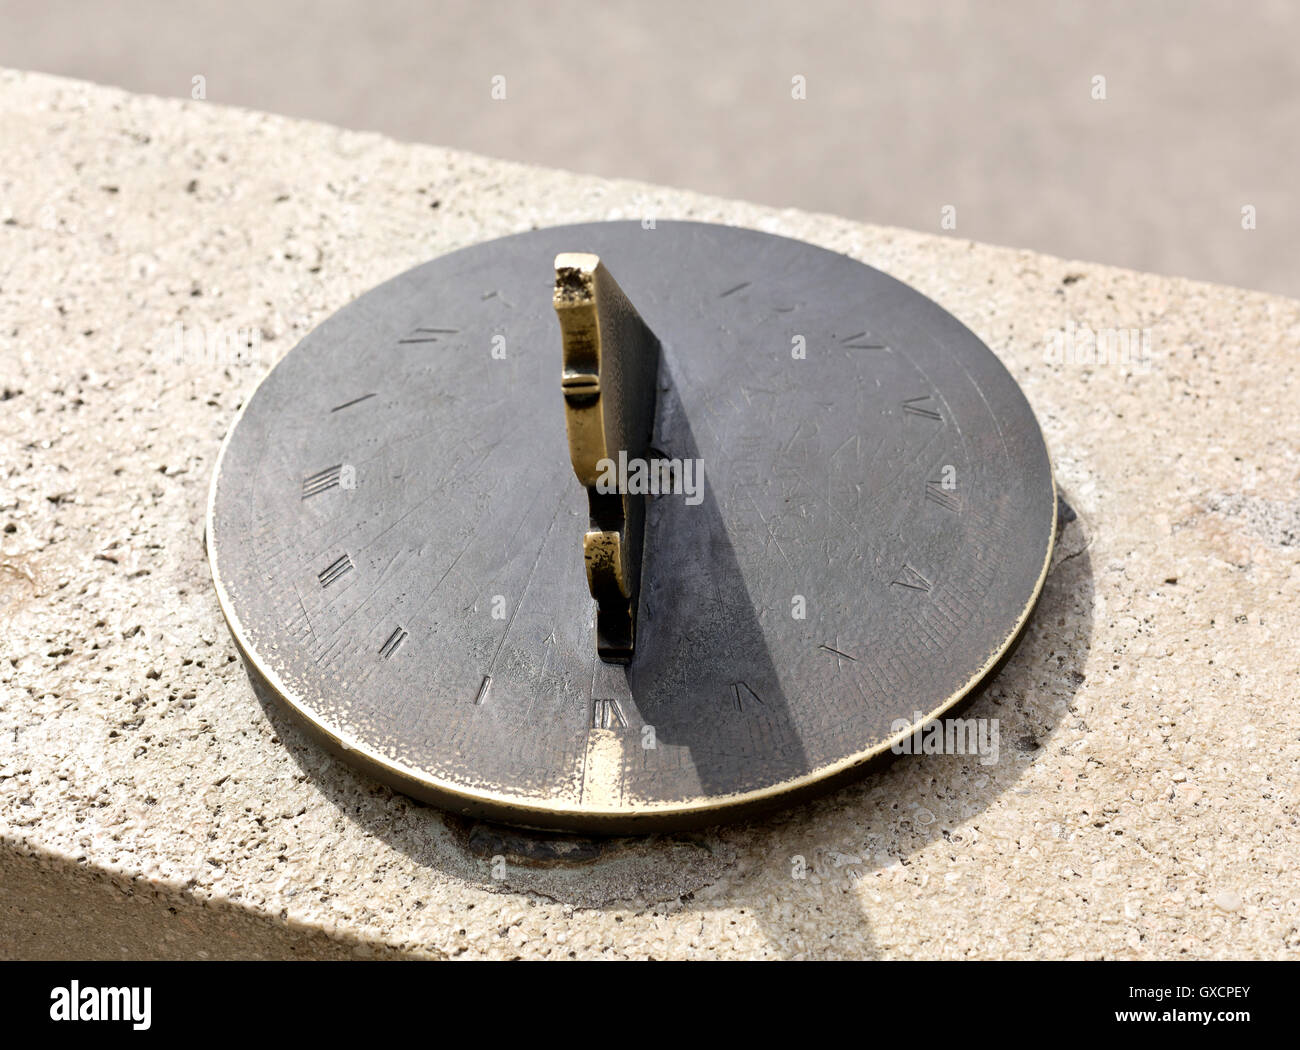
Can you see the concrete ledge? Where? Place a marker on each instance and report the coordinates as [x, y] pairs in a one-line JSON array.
[[151, 805]]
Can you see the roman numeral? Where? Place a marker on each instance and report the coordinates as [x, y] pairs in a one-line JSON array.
[[606, 714], [322, 480], [921, 406], [947, 499], [394, 640], [334, 570], [861, 342], [910, 578], [741, 694], [354, 401], [427, 335]]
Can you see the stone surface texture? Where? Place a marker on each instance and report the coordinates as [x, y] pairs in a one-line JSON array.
[[1145, 798]]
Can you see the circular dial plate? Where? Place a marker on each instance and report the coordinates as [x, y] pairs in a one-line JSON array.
[[395, 530]]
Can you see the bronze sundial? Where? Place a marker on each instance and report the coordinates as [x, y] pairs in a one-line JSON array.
[[610, 528]]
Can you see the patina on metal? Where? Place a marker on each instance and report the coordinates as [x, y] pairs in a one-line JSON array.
[[394, 529], [610, 369]]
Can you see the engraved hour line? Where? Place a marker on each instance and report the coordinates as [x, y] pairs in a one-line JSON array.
[[915, 406], [736, 687], [851, 342], [837, 652], [732, 291], [911, 578], [607, 714], [334, 570], [394, 640], [354, 401], [322, 480], [428, 335], [936, 493], [483, 688]]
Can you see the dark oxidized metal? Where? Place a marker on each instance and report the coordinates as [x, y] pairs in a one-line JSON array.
[[396, 532]]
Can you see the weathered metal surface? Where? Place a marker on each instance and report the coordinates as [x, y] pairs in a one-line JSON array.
[[394, 521]]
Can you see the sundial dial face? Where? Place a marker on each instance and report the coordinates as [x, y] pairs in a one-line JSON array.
[[396, 530]]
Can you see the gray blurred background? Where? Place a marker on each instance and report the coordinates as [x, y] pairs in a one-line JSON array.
[[910, 106]]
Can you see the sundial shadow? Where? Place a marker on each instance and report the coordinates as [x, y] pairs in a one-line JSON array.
[[703, 679]]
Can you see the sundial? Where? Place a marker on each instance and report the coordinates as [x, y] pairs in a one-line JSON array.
[[612, 528]]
